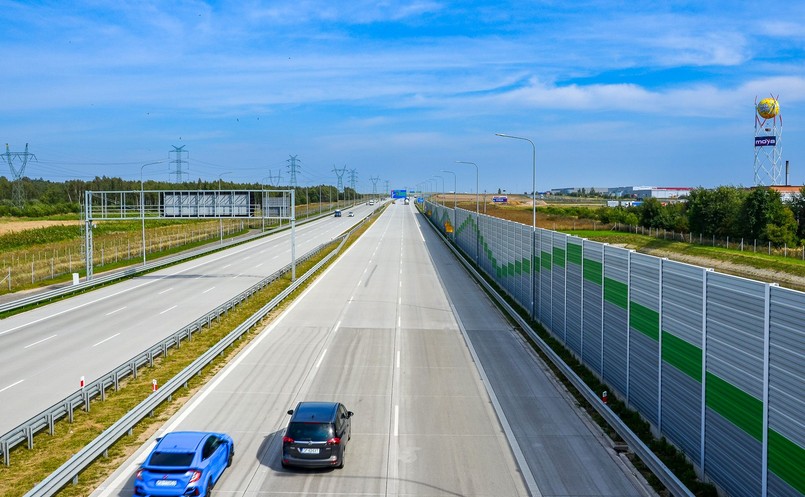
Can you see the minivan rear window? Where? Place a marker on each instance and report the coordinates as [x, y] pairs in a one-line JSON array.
[[310, 431], [171, 459]]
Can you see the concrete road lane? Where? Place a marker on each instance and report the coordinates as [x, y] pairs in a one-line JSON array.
[[434, 374], [423, 424]]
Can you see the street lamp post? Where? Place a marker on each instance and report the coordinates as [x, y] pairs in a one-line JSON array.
[[218, 206], [437, 185], [142, 201], [533, 218], [455, 190], [477, 226], [533, 176]]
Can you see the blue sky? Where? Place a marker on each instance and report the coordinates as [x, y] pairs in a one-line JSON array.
[[612, 93]]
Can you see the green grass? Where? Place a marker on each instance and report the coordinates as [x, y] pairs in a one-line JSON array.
[[31, 466]]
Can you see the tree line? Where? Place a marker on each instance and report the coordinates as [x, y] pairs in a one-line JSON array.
[[726, 211], [49, 198]]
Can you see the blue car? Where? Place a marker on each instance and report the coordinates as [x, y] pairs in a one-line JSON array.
[[185, 463]]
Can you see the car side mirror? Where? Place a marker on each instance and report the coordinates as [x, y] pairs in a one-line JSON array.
[[290, 411], [349, 414]]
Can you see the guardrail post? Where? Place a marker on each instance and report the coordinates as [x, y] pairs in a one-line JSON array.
[[6, 457], [150, 359], [29, 437], [133, 366], [116, 380], [85, 396], [51, 423]]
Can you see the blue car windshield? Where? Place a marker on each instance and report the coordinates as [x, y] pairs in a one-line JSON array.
[[171, 459]]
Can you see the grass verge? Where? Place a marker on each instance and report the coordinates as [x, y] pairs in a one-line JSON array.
[[28, 467]]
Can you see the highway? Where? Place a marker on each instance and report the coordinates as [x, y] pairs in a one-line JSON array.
[[44, 352], [448, 400]]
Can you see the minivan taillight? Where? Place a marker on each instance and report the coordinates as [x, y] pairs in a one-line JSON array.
[[194, 476], [287, 440], [334, 441]]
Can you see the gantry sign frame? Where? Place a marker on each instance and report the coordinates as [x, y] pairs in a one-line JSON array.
[[131, 205]]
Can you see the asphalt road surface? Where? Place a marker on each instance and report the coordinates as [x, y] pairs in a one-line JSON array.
[[44, 352], [384, 330]]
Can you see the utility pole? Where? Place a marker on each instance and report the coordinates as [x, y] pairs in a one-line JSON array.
[[18, 193], [293, 167], [386, 191], [181, 157]]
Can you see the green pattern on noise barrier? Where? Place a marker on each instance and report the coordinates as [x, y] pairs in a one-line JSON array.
[[735, 405]]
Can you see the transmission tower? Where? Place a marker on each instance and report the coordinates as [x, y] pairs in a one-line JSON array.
[[386, 191], [340, 175], [271, 177], [374, 185], [181, 157], [353, 179], [17, 191], [293, 167]]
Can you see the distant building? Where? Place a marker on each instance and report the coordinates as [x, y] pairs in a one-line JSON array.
[[786, 192], [659, 192]]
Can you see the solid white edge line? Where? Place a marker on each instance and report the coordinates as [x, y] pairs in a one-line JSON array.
[[116, 310], [106, 339], [40, 341], [199, 397], [12, 385]]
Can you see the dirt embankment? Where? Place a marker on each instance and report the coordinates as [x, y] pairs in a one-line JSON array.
[[784, 279]]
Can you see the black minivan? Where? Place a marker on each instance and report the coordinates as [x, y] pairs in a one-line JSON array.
[[317, 435]]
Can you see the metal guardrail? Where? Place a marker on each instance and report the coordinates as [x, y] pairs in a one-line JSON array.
[[70, 470], [97, 388], [130, 271], [649, 458]]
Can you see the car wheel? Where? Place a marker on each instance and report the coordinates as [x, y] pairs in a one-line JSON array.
[[231, 456]]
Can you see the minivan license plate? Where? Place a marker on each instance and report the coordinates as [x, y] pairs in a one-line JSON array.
[[309, 451], [166, 483]]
